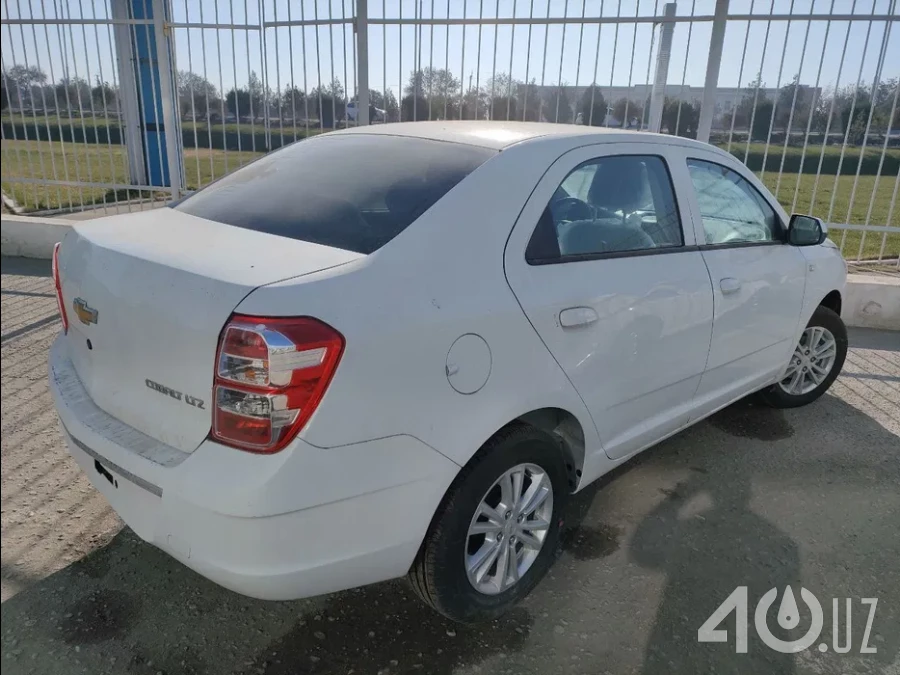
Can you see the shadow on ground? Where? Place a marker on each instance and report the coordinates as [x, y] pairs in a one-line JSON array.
[[649, 552]]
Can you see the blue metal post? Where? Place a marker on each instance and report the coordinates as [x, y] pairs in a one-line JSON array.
[[149, 81]]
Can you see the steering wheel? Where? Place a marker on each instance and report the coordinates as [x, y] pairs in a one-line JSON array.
[[571, 208]]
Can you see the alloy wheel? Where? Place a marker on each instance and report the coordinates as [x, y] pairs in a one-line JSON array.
[[508, 529], [811, 362]]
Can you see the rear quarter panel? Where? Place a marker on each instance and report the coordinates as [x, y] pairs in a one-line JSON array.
[[402, 308]]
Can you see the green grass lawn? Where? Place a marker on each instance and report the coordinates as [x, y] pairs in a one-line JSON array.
[[101, 163], [94, 163]]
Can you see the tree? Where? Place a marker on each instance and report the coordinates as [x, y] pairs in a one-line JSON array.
[[74, 94], [681, 117], [628, 113], [196, 94], [498, 96], [436, 86], [884, 100], [387, 103], [330, 103], [104, 97], [238, 102], [762, 118], [556, 105], [414, 108], [854, 106], [292, 103], [25, 82], [593, 106], [528, 99], [794, 96]]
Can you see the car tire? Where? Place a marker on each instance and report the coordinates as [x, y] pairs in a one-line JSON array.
[[442, 573], [828, 325]]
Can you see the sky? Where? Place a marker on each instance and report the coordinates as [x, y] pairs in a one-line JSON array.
[[827, 53]]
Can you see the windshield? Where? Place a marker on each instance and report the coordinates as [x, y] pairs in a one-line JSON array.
[[355, 191]]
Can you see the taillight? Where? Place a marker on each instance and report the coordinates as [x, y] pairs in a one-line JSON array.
[[271, 374], [58, 284]]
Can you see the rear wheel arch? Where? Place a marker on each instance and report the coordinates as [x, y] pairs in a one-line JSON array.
[[565, 428]]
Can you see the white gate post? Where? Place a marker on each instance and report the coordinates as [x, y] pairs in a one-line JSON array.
[[708, 107], [361, 27], [129, 111], [169, 97], [658, 92]]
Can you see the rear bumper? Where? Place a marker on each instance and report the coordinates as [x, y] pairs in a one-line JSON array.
[[299, 523]]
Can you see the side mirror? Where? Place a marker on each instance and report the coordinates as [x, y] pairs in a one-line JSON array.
[[806, 231]]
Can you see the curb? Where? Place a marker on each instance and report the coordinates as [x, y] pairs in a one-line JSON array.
[[869, 301], [872, 301], [31, 236]]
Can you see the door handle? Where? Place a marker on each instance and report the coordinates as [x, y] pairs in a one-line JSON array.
[[572, 317], [729, 285]]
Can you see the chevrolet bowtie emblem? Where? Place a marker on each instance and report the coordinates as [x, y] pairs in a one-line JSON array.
[[85, 313]]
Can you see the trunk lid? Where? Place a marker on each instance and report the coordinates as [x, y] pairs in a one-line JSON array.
[[147, 296]]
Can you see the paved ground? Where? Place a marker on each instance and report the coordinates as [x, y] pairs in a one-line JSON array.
[[752, 497]]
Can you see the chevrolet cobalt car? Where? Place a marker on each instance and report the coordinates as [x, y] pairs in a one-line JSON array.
[[397, 350]]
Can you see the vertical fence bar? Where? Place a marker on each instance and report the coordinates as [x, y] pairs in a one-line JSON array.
[[812, 110], [562, 53], [663, 56], [637, 8], [837, 83], [344, 59], [264, 65], [612, 69], [578, 63], [37, 133], [850, 117], [62, 144], [687, 53], [734, 108], [787, 35], [87, 67], [645, 108], [477, 92], [884, 147], [129, 125], [762, 60], [494, 65], [68, 84], [527, 62], [15, 135], [594, 78], [790, 123], [362, 62], [305, 83], [862, 150], [711, 83]]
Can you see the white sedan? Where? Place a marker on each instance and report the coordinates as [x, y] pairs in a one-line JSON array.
[[397, 350]]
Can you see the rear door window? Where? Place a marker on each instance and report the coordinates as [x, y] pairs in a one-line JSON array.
[[354, 192]]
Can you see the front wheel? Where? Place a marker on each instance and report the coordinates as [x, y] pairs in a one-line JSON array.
[[496, 532], [816, 362]]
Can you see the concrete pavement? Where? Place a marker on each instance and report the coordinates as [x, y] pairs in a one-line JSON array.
[[752, 497]]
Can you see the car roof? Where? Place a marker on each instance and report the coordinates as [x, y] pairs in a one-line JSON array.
[[499, 135]]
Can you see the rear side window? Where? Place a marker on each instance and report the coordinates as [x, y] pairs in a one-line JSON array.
[[354, 192]]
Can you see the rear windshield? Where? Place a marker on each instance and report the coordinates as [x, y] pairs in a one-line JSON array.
[[354, 192]]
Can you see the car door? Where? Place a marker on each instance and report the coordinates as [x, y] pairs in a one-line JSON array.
[[758, 279], [616, 289]]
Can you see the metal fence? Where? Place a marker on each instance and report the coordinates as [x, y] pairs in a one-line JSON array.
[[123, 104]]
